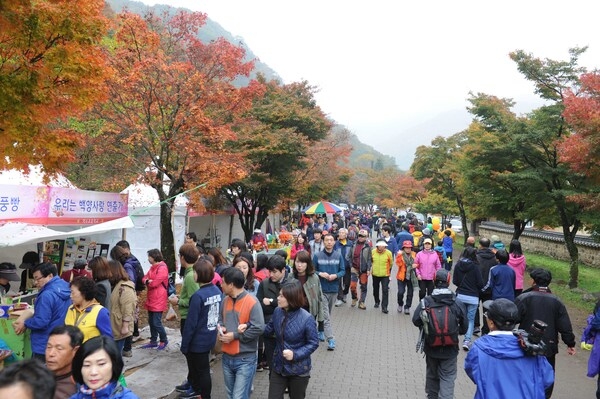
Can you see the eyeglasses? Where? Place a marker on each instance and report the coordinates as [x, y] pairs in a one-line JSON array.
[[363, 236], [36, 279]]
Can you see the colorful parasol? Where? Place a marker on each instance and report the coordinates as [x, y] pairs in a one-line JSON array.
[[322, 207]]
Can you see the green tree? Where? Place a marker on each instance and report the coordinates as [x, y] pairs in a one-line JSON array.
[[441, 176], [499, 183], [274, 141]]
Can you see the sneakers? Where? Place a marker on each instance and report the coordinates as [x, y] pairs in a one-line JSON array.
[[162, 345], [150, 345], [466, 345], [376, 305], [362, 306], [338, 303], [406, 310], [189, 394], [136, 338], [354, 301], [477, 331], [127, 354], [321, 336], [331, 344], [344, 299], [259, 368], [399, 309], [184, 387]]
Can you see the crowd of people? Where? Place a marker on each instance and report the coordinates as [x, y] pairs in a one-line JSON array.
[[269, 312]]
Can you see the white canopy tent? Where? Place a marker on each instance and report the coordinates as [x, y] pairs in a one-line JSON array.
[[14, 233]]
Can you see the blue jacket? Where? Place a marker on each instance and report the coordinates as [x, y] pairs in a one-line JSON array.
[[200, 330], [501, 282], [112, 391], [344, 249], [500, 369], [130, 266], [403, 236], [51, 307], [295, 330], [447, 243], [392, 246], [332, 263]]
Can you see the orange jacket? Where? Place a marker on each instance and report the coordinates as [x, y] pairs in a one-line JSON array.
[[401, 274]]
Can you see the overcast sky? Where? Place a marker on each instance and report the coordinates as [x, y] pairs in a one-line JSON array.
[[398, 73]]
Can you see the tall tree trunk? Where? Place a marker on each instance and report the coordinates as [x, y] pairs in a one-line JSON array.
[[167, 241], [569, 236]]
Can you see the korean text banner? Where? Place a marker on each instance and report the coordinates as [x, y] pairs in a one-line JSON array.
[[59, 206]]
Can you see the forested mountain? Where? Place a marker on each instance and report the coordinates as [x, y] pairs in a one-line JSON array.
[[363, 155], [211, 31]]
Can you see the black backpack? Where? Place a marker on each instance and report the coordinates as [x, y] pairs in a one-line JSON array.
[[442, 324], [139, 275]]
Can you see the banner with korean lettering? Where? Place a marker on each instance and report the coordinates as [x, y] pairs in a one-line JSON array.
[[59, 206]]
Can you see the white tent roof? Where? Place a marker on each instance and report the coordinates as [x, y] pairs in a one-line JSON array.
[[34, 178], [142, 195], [14, 233]]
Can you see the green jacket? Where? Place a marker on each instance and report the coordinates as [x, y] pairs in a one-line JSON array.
[[190, 286], [314, 296]]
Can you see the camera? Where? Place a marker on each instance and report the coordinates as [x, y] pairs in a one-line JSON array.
[[531, 342]]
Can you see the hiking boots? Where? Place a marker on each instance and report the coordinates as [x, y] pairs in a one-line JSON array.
[[362, 306], [354, 302]]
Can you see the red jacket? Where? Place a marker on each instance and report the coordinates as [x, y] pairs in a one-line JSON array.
[[156, 300]]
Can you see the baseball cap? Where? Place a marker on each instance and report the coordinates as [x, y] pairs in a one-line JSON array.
[[9, 271], [407, 244], [381, 243], [542, 277], [30, 259], [442, 278], [502, 311], [363, 233]]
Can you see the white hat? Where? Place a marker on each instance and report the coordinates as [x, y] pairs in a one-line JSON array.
[[257, 230], [381, 243]]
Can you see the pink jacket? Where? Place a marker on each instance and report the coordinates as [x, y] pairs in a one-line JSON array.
[[518, 265], [156, 300], [426, 264]]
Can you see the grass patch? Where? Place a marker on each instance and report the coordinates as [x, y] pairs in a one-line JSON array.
[[589, 280]]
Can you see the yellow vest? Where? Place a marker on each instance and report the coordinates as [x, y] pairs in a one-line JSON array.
[[85, 319]]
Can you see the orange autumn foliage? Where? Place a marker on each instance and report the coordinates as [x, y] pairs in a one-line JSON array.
[[51, 68]]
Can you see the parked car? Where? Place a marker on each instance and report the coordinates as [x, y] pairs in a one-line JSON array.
[[456, 225]]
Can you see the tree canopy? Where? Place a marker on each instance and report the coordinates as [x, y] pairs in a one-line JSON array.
[[51, 67]]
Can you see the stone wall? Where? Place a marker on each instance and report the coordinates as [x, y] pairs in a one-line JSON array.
[[534, 241]]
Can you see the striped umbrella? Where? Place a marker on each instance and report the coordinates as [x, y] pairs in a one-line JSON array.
[[322, 207]]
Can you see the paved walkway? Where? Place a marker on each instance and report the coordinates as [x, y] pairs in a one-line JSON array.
[[375, 358]]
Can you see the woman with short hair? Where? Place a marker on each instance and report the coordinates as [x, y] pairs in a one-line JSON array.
[[86, 313]]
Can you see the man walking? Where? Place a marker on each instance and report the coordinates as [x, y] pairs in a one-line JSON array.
[[441, 355], [344, 245], [241, 322], [382, 267], [539, 303], [329, 266], [360, 260]]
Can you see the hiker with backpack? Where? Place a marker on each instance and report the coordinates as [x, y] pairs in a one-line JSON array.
[[441, 318]]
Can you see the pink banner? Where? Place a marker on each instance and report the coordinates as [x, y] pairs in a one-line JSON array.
[[59, 206]]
